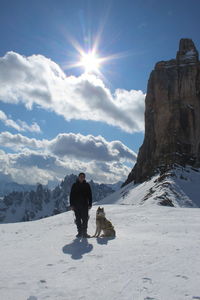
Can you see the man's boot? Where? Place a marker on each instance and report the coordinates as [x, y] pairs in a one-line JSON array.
[[85, 235], [79, 234]]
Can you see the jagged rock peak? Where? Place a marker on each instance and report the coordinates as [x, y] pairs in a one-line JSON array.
[[186, 45], [172, 116], [186, 55], [187, 51]]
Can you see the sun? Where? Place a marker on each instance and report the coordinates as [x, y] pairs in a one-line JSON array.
[[90, 62]]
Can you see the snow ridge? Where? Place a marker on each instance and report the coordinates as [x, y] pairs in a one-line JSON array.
[[179, 187]]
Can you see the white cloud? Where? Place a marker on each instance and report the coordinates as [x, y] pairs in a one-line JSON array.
[[32, 128], [50, 160], [30, 168], [78, 146], [90, 148], [19, 125], [19, 141], [38, 80]]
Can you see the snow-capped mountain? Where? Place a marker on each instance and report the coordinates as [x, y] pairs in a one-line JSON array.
[[33, 205]]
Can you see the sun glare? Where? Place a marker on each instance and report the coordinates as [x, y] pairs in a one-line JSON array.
[[90, 62]]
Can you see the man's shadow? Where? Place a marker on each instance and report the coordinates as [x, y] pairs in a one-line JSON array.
[[78, 248]]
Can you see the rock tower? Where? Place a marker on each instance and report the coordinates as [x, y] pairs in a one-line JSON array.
[[172, 115]]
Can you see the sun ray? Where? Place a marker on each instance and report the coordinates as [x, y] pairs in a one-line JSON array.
[[88, 57]]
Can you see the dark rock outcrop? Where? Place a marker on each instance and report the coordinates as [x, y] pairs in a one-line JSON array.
[[172, 115]]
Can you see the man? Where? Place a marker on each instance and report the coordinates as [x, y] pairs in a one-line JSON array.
[[80, 203]]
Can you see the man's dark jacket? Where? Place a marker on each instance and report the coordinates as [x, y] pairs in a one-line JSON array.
[[81, 195]]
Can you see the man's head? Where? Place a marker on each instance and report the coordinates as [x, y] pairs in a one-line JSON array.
[[81, 177]]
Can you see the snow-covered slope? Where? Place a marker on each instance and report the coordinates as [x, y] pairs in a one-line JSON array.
[[178, 187], [155, 255]]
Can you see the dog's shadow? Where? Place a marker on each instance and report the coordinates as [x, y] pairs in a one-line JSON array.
[[78, 248], [104, 240]]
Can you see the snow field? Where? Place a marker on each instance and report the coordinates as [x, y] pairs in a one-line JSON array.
[[155, 255]]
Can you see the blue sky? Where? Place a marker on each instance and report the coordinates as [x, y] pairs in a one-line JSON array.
[[63, 118]]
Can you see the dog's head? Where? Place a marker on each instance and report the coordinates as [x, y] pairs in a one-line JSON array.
[[100, 212]]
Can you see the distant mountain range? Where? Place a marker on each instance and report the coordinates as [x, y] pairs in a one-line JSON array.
[[8, 187], [24, 202]]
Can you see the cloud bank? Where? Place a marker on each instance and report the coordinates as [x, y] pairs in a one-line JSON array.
[[78, 146], [40, 81], [51, 168], [50, 160], [31, 168]]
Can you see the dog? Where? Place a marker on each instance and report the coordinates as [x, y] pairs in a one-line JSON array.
[[102, 224]]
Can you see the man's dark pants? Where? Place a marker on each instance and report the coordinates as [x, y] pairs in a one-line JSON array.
[[81, 214]]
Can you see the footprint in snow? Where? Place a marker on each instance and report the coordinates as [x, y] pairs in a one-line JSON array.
[[182, 276], [71, 268], [61, 261], [147, 279], [196, 297], [42, 281], [22, 283], [95, 256], [32, 298]]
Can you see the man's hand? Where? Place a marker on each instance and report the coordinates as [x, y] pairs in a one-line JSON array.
[[72, 207], [89, 207]]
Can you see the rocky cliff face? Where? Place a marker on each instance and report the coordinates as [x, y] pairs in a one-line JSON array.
[[172, 115]]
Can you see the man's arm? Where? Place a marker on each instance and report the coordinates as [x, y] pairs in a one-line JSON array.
[[89, 196], [72, 196]]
